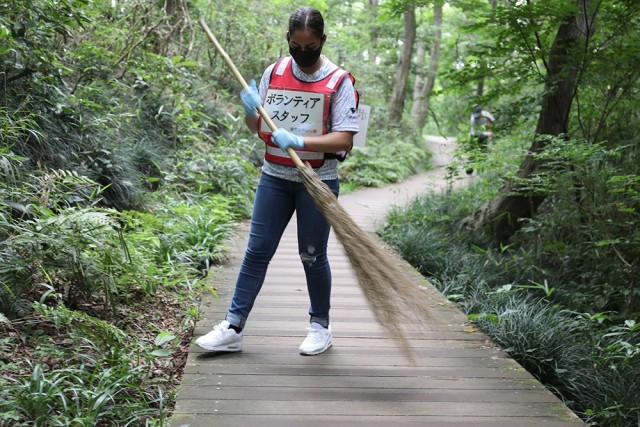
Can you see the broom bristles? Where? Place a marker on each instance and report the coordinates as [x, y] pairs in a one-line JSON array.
[[391, 293]]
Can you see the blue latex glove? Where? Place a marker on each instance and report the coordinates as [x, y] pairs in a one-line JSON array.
[[286, 139], [250, 99]]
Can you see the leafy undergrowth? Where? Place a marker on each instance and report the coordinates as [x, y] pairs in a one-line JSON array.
[[547, 317], [98, 306], [91, 367], [381, 163]]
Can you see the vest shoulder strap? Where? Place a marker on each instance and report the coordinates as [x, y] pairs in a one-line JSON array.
[[281, 65]]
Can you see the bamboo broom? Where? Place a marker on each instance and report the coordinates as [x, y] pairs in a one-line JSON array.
[[391, 293]]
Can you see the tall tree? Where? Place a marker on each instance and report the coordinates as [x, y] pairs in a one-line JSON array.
[[179, 32], [399, 94], [420, 74], [424, 87], [502, 215], [373, 4], [483, 63]]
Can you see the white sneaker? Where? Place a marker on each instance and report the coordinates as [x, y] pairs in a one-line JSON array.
[[318, 340], [222, 338]]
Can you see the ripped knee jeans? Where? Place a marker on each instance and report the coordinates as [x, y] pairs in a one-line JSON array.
[[275, 203]]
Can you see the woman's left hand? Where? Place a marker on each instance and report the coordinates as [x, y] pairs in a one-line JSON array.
[[286, 139]]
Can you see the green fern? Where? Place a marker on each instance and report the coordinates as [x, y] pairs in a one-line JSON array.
[[82, 220], [378, 165], [77, 251]]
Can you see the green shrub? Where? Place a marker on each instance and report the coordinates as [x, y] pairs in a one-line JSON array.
[[78, 252], [541, 337], [388, 157], [226, 173], [586, 232]]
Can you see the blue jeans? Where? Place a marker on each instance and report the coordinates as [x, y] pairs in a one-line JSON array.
[[276, 200]]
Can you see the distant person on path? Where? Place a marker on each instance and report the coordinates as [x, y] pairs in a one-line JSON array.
[[313, 104], [480, 127]]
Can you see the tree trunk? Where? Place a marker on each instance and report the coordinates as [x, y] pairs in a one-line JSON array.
[[483, 64], [502, 215], [373, 4], [404, 65], [480, 85], [179, 34], [173, 11], [421, 54], [421, 102]]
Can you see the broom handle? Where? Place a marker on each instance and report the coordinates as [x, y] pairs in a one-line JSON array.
[[263, 113]]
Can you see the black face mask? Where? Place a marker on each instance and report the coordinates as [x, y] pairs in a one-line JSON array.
[[307, 58]]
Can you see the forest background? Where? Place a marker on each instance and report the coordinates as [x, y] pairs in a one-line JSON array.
[[125, 164]]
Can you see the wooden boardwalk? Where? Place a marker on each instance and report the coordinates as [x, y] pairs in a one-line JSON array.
[[458, 378]]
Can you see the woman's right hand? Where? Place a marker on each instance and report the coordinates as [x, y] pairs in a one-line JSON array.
[[250, 99]]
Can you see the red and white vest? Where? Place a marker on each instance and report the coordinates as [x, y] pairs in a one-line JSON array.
[[302, 108]]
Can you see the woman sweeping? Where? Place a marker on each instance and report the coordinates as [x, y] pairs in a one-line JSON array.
[[313, 104]]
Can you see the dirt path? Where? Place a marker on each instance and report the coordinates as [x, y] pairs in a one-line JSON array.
[[442, 149]]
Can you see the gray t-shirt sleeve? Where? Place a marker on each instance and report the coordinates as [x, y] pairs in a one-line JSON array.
[[344, 114]]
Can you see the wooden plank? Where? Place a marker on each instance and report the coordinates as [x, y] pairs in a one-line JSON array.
[[337, 315], [324, 420], [300, 332], [356, 345], [274, 322], [348, 371], [361, 394], [367, 408], [331, 359], [269, 350], [206, 382]]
